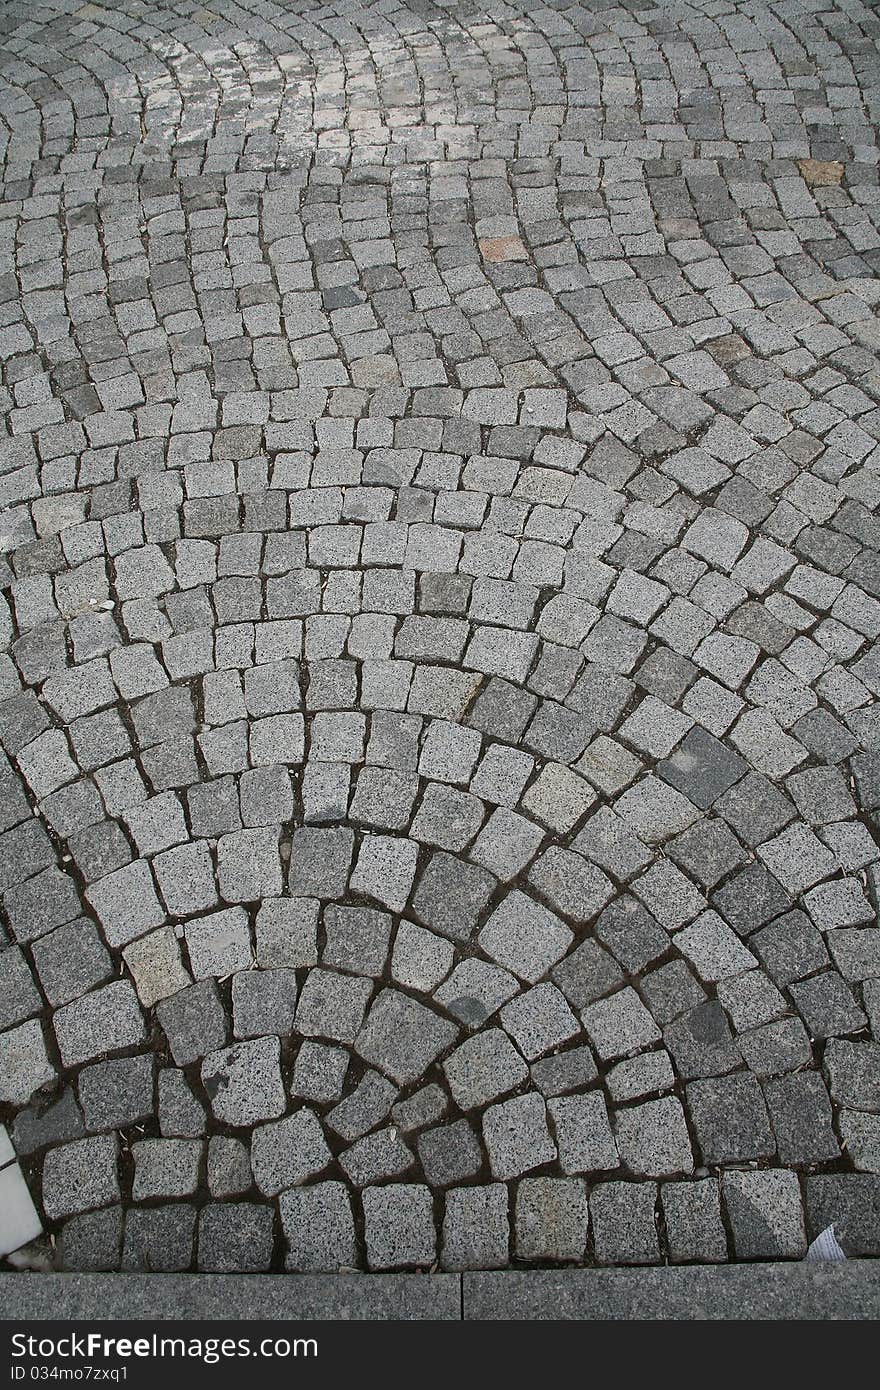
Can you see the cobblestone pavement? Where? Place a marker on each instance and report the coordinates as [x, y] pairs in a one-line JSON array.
[[440, 599]]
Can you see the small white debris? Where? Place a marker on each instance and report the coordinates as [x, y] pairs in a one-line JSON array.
[[825, 1247]]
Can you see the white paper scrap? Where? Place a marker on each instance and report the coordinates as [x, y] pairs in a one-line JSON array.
[[825, 1246]]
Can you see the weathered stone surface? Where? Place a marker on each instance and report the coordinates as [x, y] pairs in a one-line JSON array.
[[318, 1228], [287, 1152], [551, 1219], [399, 1226], [402, 1037], [438, 633], [244, 1083]]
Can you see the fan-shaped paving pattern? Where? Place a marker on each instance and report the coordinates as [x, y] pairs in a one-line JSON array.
[[440, 603]]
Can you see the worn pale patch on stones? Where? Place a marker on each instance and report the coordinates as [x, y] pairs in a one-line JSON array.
[[498, 249], [821, 173]]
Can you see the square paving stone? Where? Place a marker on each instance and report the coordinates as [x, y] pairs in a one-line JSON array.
[[669, 895], [287, 933], [506, 843], [708, 852], [730, 1119], [364, 1107], [385, 870], [243, 1082], [402, 1037], [375, 1157], [797, 858], [181, 1116], [780, 1046], [384, 798], [586, 974], [229, 1167], [425, 1107], [853, 1073], [694, 1229], [766, 1215], [564, 1071], [450, 1154], [235, 1238], [653, 1138], [552, 1217], [319, 1072], [516, 1136], [157, 824], [48, 1121], [474, 990], [619, 1025], [583, 1133], [399, 1227], [447, 817], [159, 1240], [107, 1020], [851, 1203], [790, 948], [856, 953], [19, 996], [45, 901], [839, 904], [80, 1176], [701, 1042], [671, 990], [755, 809], [24, 850], [71, 960], [421, 960], [800, 1113], [525, 937], [288, 1152], [451, 895], [631, 934], [165, 1167], [750, 1000], [570, 884], [750, 899], [702, 767], [185, 876], [219, 943], [194, 1021], [476, 1228], [713, 949], [624, 1232], [655, 811], [248, 865], [860, 1134], [318, 1228], [539, 1020], [125, 903], [484, 1067], [558, 798], [332, 1006], [606, 840], [117, 1093], [263, 1003], [155, 964], [357, 939], [91, 1242]]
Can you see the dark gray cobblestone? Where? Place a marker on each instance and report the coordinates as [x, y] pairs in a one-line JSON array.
[[439, 739]]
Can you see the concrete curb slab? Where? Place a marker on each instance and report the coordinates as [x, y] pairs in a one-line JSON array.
[[725, 1292], [759, 1292], [231, 1297]]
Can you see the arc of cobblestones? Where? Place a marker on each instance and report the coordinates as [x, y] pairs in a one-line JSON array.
[[440, 602]]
